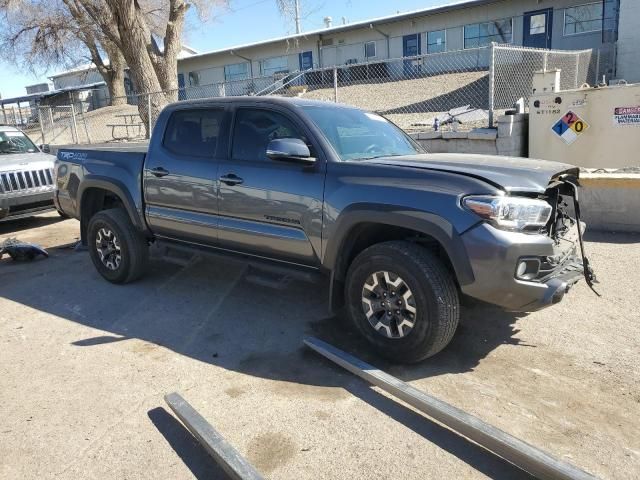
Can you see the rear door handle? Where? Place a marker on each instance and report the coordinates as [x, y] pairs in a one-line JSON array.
[[160, 172], [231, 179]]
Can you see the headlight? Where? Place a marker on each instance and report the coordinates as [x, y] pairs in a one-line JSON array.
[[510, 213]]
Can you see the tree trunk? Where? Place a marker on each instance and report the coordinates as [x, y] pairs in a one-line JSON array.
[[134, 45], [115, 76], [154, 74], [115, 84]]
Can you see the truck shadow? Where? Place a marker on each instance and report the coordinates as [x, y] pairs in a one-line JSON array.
[[231, 316], [9, 227], [245, 321]]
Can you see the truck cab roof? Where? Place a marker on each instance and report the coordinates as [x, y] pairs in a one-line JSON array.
[[257, 100]]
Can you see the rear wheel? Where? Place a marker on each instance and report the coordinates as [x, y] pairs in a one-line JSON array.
[[118, 250], [403, 300]]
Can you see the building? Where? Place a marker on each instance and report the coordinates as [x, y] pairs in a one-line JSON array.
[[628, 59], [458, 26], [557, 24], [37, 88], [88, 74]]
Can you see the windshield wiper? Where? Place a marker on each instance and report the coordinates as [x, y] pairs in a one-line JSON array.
[[382, 156]]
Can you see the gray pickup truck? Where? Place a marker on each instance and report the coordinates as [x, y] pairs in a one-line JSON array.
[[26, 176], [328, 188]]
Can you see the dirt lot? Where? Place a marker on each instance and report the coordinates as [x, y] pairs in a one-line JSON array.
[[84, 366]]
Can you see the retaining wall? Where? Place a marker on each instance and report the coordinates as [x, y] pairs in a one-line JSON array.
[[510, 138]]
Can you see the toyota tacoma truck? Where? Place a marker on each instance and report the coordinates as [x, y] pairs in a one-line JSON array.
[[26, 176], [317, 186]]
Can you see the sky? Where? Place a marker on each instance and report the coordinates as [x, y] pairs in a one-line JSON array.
[[245, 21]]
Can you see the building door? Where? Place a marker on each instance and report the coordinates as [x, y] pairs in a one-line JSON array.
[[306, 60], [411, 48], [181, 93], [538, 26]]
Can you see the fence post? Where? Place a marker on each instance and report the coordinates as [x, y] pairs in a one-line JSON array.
[[335, 84], [545, 63], [597, 74], [86, 129], [149, 115], [44, 140], [492, 79], [74, 126], [575, 85]]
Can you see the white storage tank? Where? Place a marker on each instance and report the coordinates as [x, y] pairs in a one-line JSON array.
[[588, 127]]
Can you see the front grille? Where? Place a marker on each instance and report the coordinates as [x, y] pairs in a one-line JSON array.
[[25, 180]]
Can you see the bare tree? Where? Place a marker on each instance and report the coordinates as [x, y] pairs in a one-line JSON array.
[[148, 33], [48, 33], [297, 10]]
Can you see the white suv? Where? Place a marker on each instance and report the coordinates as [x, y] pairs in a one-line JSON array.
[[26, 176]]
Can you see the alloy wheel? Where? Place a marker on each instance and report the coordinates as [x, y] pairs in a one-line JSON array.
[[108, 248], [388, 304]]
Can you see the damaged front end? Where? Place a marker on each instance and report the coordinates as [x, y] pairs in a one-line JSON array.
[[566, 230], [528, 252]]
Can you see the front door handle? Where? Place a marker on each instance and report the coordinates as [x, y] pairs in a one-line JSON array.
[[231, 179], [160, 172]]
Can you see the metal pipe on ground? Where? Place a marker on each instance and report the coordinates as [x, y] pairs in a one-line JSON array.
[[222, 452], [519, 453]]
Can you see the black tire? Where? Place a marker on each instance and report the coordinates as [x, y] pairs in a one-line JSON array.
[[134, 248], [434, 294]]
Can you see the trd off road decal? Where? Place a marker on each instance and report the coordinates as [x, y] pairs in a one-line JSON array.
[[570, 127]]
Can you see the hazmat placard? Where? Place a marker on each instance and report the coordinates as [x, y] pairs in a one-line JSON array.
[[570, 127], [623, 116]]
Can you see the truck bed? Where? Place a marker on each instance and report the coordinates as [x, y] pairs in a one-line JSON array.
[[116, 166]]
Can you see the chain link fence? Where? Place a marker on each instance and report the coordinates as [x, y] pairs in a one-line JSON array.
[[463, 88], [513, 69]]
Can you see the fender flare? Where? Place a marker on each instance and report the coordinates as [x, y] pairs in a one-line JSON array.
[[116, 187], [426, 223]]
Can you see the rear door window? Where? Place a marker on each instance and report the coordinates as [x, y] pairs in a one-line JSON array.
[[194, 132], [255, 128]]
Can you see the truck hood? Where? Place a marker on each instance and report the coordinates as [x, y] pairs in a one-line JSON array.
[[511, 174], [25, 161]]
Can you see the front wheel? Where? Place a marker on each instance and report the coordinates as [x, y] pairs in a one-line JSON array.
[[403, 300], [118, 250]]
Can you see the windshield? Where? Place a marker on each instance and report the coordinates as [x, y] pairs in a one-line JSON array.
[[15, 142], [359, 135]]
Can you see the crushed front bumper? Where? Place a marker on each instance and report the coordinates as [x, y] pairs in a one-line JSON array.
[[495, 254]]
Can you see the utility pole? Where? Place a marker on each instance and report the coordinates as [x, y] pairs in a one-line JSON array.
[[297, 16]]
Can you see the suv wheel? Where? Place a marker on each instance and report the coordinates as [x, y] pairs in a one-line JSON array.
[[403, 300], [118, 251]]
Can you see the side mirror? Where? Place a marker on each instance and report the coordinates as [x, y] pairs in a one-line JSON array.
[[45, 148], [289, 149]]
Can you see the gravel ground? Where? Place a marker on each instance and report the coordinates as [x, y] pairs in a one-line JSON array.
[[418, 100], [405, 102], [84, 366]]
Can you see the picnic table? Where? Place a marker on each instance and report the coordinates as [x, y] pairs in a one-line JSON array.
[[129, 121]]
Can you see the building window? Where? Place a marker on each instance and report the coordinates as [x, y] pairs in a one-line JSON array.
[[194, 79], [437, 41], [370, 50], [272, 66], [583, 19], [538, 24], [482, 34], [236, 71]]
